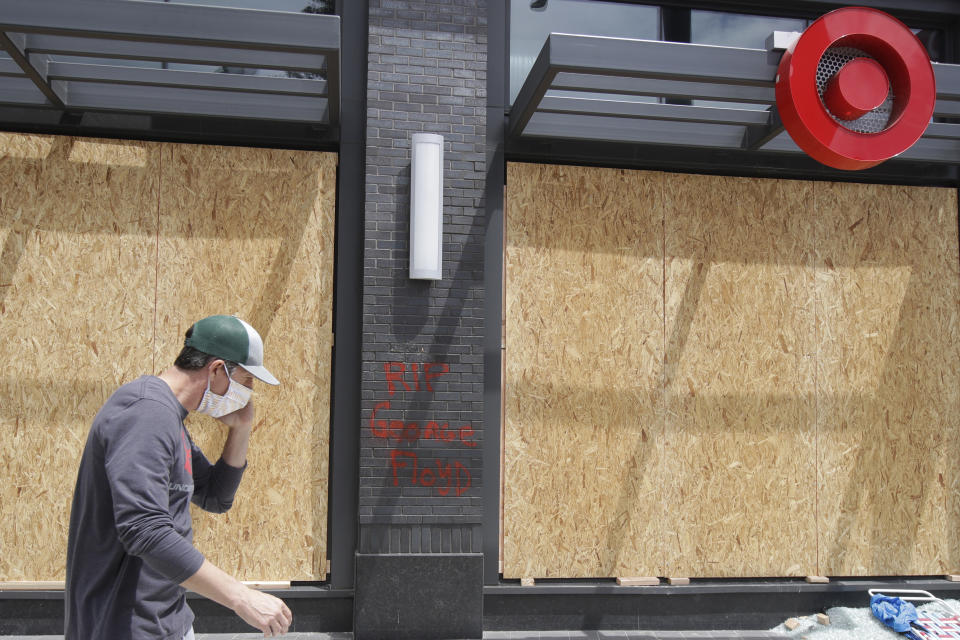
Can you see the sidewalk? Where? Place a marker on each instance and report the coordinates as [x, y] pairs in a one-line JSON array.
[[506, 635]]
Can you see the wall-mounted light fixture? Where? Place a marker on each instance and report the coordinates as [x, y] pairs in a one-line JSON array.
[[426, 206]]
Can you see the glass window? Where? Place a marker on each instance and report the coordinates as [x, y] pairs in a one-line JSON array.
[[531, 21], [738, 30]]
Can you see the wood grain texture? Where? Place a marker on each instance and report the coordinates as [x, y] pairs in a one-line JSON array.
[[584, 345], [888, 379], [739, 444], [77, 281], [799, 413], [250, 232], [85, 306]]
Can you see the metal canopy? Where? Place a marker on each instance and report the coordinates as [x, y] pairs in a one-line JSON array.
[[54, 51], [613, 75]]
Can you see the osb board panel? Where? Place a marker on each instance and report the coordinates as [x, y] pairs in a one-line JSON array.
[[77, 282], [888, 379], [584, 344], [250, 232], [739, 481], [811, 395]]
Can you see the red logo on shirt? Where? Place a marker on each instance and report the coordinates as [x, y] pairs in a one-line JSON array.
[[187, 455]]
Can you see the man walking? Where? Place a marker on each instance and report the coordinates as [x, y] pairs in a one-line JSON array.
[[130, 553]]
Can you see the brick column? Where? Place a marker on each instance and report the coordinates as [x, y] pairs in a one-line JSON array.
[[419, 565]]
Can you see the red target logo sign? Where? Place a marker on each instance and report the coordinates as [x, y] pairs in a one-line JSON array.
[[855, 89]]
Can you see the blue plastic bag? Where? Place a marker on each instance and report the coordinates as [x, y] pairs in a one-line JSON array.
[[896, 613]]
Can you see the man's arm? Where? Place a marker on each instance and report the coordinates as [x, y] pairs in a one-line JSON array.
[[261, 610], [216, 485], [241, 424]]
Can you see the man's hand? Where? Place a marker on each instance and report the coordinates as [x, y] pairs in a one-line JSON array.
[[241, 418], [261, 610], [265, 612], [235, 448]]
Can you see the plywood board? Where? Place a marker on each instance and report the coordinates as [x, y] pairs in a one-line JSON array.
[[739, 448], [583, 410], [78, 223], [810, 377], [250, 232], [888, 379]]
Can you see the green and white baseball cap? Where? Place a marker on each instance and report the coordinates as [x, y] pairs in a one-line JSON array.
[[232, 339]]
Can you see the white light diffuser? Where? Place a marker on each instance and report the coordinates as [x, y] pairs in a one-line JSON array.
[[426, 207]]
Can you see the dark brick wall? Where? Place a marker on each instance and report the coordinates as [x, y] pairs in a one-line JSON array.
[[427, 73]]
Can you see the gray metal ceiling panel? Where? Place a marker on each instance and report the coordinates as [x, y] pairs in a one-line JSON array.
[[200, 102], [179, 53], [21, 91], [653, 111], [561, 125], [36, 34], [73, 71], [140, 21], [663, 88], [10, 68]]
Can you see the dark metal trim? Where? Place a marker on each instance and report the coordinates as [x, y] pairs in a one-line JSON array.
[[756, 137], [348, 309], [531, 93], [722, 161], [703, 604], [497, 97]]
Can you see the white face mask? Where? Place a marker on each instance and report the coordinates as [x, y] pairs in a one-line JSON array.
[[236, 397]]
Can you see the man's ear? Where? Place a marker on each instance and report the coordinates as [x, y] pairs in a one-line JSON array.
[[212, 365]]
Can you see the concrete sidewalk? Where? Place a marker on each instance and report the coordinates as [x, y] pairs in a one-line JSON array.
[[506, 635]]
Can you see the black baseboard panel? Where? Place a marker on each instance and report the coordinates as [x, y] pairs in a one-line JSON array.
[[418, 596], [701, 605], [440, 597], [314, 609], [31, 613]]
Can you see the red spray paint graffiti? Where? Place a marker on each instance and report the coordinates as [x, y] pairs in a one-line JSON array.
[[407, 466]]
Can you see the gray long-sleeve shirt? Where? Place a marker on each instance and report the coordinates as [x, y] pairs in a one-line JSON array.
[[131, 537]]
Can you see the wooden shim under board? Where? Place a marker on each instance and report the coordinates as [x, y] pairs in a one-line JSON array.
[[267, 584], [641, 581], [32, 585]]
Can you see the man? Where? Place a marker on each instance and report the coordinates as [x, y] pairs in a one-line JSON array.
[[130, 553]]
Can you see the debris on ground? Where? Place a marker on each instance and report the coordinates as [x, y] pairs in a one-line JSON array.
[[846, 623]]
